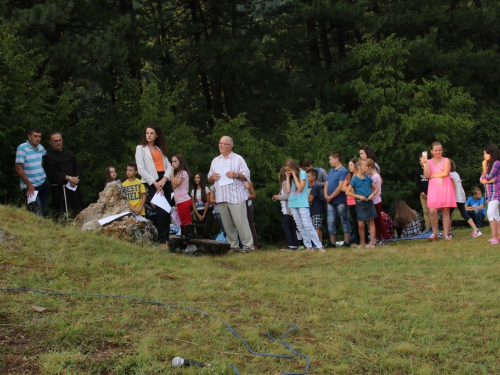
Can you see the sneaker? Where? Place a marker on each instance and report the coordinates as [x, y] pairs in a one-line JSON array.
[[494, 241], [346, 244], [382, 243], [476, 233], [330, 245]]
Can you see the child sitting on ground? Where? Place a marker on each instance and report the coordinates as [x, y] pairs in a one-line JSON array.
[[406, 220], [134, 190], [475, 206]]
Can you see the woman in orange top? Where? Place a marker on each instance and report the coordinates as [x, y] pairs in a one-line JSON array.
[[155, 171]]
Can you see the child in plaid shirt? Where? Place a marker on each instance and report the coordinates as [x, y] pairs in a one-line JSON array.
[[315, 204], [406, 221], [491, 180]]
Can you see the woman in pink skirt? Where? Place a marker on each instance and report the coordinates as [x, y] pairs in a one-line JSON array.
[[441, 194]]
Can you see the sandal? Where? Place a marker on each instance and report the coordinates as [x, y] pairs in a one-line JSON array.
[[432, 237], [246, 251]]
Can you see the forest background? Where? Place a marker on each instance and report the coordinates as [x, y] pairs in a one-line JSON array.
[[297, 78]]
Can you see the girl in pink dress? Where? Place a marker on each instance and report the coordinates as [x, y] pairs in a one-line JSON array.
[[441, 194]]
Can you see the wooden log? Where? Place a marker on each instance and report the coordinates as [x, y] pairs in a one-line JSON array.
[[204, 246]]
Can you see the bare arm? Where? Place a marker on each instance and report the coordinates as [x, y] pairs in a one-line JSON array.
[[337, 191], [446, 172], [350, 193], [177, 180], [250, 190], [20, 171], [300, 184], [374, 191]]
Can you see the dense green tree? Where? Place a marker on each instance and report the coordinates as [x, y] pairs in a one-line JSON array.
[[296, 78]]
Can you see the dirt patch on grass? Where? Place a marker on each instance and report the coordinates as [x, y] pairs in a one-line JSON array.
[[18, 349]]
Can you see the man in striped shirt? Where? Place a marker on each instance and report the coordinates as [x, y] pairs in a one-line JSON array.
[[29, 168], [231, 196]]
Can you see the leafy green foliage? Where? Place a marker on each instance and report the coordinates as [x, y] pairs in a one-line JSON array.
[[284, 79]]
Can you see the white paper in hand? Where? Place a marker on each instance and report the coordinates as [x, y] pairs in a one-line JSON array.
[[160, 201], [222, 169], [68, 185], [32, 198]]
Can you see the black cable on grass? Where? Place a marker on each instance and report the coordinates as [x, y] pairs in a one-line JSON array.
[[282, 341]]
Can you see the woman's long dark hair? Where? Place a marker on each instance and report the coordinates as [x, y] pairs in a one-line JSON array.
[[494, 152], [201, 185], [370, 153], [160, 141], [183, 166]]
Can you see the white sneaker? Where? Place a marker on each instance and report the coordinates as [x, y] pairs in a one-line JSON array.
[[476, 233]]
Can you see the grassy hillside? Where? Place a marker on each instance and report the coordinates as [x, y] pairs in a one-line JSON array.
[[411, 308]]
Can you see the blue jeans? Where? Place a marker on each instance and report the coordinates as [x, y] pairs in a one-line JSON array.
[[343, 211], [477, 216], [302, 217], [41, 204], [289, 229]]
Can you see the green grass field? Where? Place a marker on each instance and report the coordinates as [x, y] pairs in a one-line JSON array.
[[413, 307]]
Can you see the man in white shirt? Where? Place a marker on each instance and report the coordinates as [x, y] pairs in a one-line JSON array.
[[230, 194]]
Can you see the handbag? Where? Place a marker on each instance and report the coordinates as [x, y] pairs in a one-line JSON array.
[[221, 237]]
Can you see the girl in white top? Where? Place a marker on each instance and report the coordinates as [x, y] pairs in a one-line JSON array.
[[460, 197], [109, 175], [200, 201]]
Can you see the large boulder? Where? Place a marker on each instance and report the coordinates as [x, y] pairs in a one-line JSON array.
[[130, 229], [112, 202]]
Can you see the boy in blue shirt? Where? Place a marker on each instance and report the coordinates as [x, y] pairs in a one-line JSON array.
[[475, 206], [336, 199]]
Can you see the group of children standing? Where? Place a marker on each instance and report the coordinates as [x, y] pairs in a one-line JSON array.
[[305, 199], [305, 193]]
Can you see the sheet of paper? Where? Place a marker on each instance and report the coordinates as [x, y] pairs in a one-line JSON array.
[[68, 185], [112, 218], [222, 169], [160, 201], [33, 197]]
